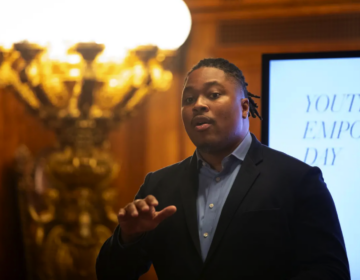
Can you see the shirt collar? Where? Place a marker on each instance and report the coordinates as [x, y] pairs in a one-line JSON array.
[[239, 153]]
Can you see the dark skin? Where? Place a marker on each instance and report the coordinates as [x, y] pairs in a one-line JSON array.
[[212, 96], [215, 115]]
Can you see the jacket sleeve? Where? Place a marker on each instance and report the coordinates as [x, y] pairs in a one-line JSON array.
[[116, 261], [320, 247]]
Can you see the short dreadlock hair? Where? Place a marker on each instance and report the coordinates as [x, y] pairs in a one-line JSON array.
[[233, 71]]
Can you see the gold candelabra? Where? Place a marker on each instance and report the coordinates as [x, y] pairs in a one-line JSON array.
[[65, 198]]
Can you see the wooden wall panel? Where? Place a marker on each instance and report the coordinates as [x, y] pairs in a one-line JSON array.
[[155, 137], [215, 10], [331, 28], [163, 127], [16, 127]]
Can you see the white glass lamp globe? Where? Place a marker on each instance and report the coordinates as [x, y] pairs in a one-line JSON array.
[[118, 24]]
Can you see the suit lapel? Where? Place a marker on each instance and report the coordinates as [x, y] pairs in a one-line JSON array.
[[244, 180], [189, 192]]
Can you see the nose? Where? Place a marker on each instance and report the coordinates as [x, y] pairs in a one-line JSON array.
[[200, 105]]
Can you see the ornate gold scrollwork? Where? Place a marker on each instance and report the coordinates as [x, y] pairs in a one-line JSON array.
[[65, 198]]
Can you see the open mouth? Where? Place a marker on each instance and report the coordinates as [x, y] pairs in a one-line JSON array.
[[202, 126], [201, 123]]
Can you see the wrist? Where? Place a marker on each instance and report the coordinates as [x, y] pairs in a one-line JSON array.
[[128, 238]]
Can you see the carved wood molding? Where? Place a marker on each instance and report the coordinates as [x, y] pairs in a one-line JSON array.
[[210, 10], [342, 27]]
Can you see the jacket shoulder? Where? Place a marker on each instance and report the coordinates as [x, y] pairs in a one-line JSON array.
[[171, 169], [281, 162], [169, 174]]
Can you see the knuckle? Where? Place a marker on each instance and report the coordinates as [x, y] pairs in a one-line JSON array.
[[130, 207], [140, 204]]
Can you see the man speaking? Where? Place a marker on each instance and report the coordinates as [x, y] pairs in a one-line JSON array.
[[234, 210]]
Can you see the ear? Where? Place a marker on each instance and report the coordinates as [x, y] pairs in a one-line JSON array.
[[245, 106]]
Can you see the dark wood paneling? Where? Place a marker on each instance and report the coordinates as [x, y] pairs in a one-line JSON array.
[[16, 127], [214, 10], [151, 139], [288, 30]]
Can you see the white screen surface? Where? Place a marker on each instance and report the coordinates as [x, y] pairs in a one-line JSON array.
[[314, 115]]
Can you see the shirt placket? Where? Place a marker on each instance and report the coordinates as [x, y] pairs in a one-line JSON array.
[[210, 213]]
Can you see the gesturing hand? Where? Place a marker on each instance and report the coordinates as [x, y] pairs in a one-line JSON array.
[[140, 216]]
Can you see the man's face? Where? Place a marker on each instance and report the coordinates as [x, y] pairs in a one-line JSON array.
[[214, 110]]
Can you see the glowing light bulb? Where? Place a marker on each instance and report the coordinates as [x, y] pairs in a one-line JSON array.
[[119, 24]]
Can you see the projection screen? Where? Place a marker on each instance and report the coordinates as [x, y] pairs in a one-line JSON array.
[[311, 111]]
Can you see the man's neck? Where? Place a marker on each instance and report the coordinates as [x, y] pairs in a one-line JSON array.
[[215, 158]]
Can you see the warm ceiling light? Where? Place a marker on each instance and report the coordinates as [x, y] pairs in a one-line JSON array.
[[118, 24], [50, 49]]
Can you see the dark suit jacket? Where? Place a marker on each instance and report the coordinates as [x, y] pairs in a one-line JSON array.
[[278, 222]]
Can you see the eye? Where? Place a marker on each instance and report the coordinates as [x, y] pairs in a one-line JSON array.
[[188, 100], [215, 95]]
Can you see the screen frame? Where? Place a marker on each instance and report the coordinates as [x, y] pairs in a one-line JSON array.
[[265, 94]]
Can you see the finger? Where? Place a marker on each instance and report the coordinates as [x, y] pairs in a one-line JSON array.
[[131, 210], [165, 213], [141, 205], [151, 200], [121, 214], [152, 211]]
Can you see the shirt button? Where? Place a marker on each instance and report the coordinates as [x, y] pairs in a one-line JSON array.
[[203, 163], [217, 179], [211, 206], [205, 234]]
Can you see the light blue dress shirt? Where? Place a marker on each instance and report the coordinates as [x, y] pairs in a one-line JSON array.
[[214, 188]]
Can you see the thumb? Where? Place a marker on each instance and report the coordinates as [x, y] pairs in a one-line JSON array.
[[165, 213]]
